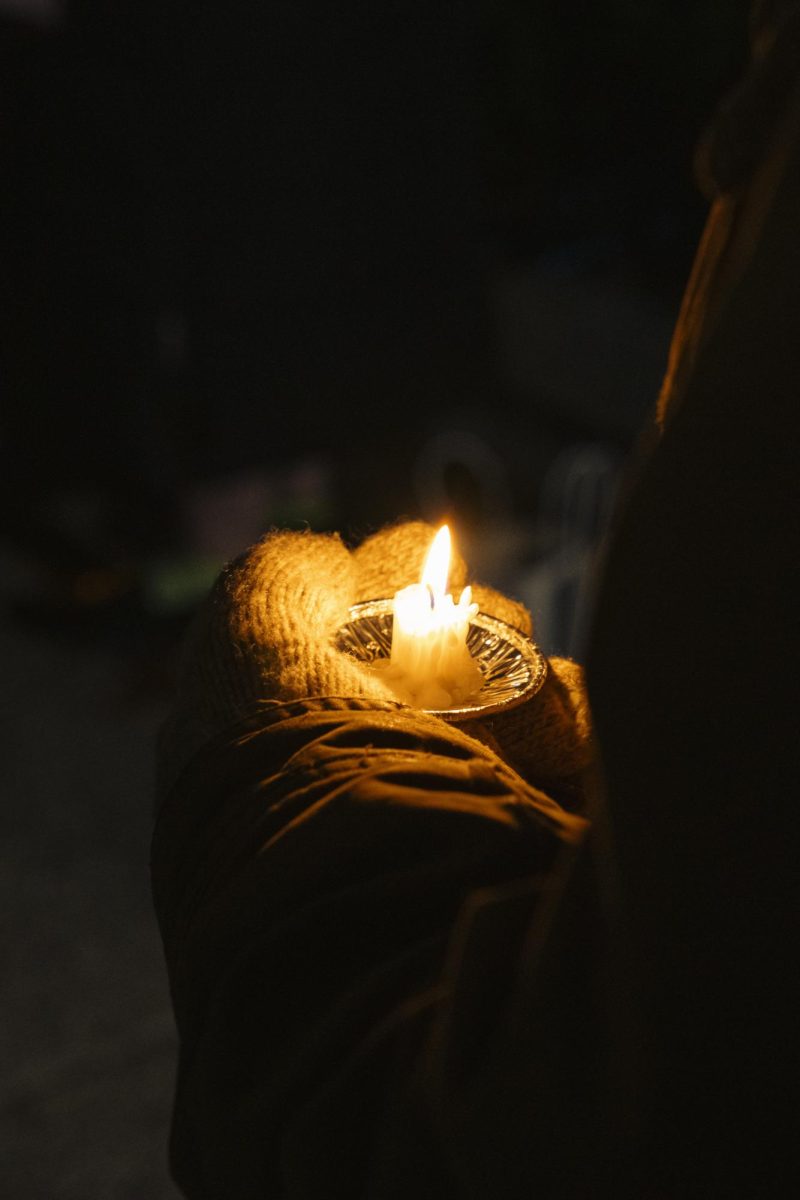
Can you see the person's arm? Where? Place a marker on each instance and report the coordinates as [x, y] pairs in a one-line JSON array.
[[313, 856]]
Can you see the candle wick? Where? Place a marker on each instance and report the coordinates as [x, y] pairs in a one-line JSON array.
[[430, 593]]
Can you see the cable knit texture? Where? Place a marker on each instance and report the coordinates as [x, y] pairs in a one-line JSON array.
[[266, 635]]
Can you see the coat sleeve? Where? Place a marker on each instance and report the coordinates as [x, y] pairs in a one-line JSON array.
[[312, 871]]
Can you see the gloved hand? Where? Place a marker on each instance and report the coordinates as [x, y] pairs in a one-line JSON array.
[[548, 739], [266, 635]]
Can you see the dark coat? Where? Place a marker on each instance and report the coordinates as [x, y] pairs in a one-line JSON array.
[[400, 970]]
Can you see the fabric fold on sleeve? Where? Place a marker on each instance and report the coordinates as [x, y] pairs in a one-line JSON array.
[[309, 869]]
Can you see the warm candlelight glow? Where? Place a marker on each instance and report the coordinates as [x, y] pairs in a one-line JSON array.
[[437, 564], [430, 665]]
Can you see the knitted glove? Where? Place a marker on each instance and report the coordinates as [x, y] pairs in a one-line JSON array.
[[548, 739], [266, 635]]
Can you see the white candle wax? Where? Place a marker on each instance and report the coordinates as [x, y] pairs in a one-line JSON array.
[[430, 665]]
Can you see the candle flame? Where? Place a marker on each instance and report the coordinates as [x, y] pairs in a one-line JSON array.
[[431, 664], [437, 564]]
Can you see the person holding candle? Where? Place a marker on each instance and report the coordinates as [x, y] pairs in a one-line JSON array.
[[312, 826], [407, 961]]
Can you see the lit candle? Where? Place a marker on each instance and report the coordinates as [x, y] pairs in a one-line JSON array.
[[430, 665]]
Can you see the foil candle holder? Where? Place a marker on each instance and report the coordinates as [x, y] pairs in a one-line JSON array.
[[513, 667]]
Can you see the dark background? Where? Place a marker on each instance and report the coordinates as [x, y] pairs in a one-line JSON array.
[[287, 263]]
